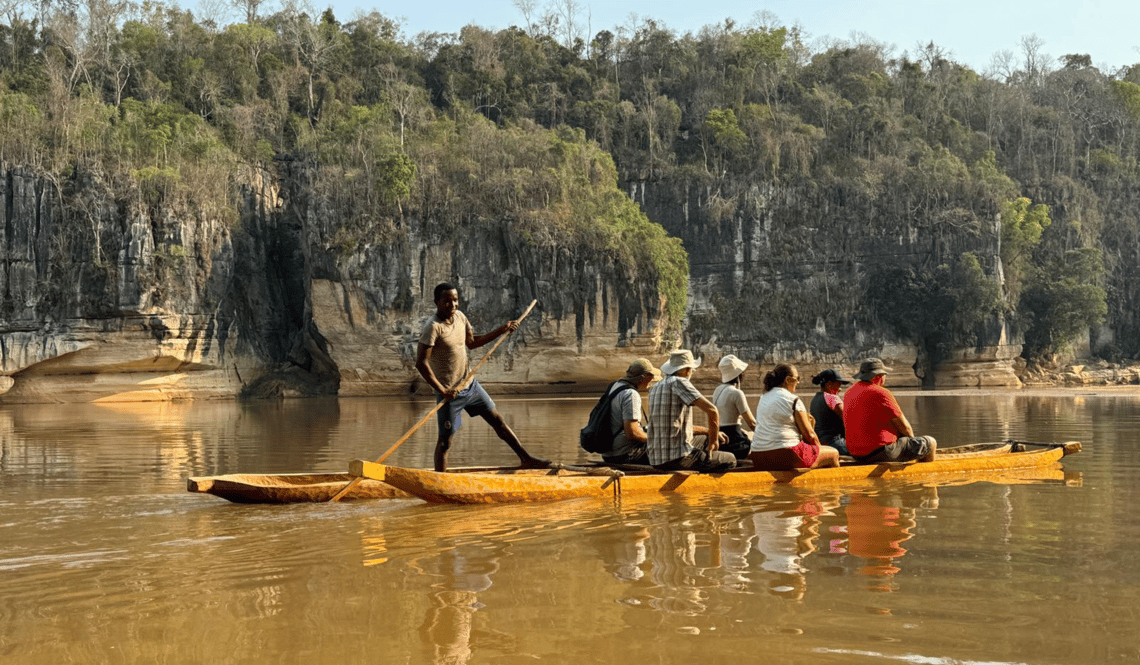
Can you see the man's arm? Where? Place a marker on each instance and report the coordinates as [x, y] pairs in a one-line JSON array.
[[902, 426], [713, 430], [423, 355], [475, 341], [634, 433]]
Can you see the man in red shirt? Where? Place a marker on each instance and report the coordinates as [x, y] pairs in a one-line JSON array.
[[877, 430]]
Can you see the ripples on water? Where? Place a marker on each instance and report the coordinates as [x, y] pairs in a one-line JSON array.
[[105, 558]]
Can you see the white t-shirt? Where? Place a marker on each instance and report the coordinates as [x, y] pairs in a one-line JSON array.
[[775, 424]]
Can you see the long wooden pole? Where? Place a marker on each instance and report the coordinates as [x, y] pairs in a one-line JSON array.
[[466, 380]]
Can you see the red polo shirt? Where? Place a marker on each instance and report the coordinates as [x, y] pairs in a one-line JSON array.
[[867, 413]]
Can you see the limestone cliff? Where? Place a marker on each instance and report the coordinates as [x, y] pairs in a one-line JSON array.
[[109, 297], [780, 274]]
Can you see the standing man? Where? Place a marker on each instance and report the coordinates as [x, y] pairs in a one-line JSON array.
[[630, 441], [672, 445], [877, 430], [442, 361]]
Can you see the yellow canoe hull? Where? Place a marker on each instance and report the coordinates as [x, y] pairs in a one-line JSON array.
[[289, 487], [527, 485]]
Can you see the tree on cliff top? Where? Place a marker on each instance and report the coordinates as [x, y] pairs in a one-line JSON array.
[[935, 309], [1064, 299]]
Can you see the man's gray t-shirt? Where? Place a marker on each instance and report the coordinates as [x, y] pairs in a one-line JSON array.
[[623, 407]]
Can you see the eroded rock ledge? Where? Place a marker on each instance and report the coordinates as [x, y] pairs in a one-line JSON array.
[[107, 298]]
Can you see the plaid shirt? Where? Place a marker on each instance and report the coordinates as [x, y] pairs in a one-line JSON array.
[[671, 419]]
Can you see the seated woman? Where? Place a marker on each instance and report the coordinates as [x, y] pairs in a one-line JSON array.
[[827, 409], [733, 407], [785, 435]]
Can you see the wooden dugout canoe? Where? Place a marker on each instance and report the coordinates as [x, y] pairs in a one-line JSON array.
[[289, 487], [523, 485]]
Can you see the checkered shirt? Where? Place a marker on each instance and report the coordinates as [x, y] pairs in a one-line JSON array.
[[671, 419]]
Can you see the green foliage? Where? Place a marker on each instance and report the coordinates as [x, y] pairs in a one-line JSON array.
[[559, 190], [936, 309], [993, 182], [1127, 94], [156, 183], [394, 174], [516, 124], [20, 125], [725, 131], [1022, 224], [1064, 299], [765, 45]]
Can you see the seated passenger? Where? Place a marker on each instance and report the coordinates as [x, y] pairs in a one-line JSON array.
[[877, 431], [674, 442], [630, 440], [827, 409], [729, 400], [785, 435]]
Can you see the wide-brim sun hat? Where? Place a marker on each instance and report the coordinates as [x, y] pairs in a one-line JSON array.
[[679, 360], [731, 367], [870, 368]]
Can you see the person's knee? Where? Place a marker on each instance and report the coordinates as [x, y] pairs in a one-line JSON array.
[[933, 443]]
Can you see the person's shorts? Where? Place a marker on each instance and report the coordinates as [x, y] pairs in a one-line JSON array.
[[904, 449], [474, 400], [800, 456], [807, 453]]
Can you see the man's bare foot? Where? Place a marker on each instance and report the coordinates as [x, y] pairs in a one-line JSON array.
[[534, 463]]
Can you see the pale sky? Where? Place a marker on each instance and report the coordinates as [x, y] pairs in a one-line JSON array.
[[972, 30]]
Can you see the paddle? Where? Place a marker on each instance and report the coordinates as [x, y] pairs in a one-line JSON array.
[[463, 384]]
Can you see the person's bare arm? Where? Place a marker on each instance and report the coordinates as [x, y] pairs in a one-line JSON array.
[[475, 341], [746, 414], [806, 427], [713, 430], [634, 433], [423, 355], [902, 426]]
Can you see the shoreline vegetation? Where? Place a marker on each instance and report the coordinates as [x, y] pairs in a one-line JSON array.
[[777, 197]]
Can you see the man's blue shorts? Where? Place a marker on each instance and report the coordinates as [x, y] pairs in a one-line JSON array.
[[474, 400]]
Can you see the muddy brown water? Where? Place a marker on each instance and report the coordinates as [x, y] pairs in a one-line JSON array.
[[104, 558]]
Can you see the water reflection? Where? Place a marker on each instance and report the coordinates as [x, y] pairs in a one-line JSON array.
[[105, 558], [682, 557], [877, 523], [448, 632]]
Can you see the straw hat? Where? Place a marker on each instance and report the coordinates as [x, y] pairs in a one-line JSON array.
[[679, 360]]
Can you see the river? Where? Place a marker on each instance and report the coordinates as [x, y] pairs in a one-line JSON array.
[[105, 558]]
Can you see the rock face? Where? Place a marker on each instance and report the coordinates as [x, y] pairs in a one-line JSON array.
[[110, 298], [770, 264]]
